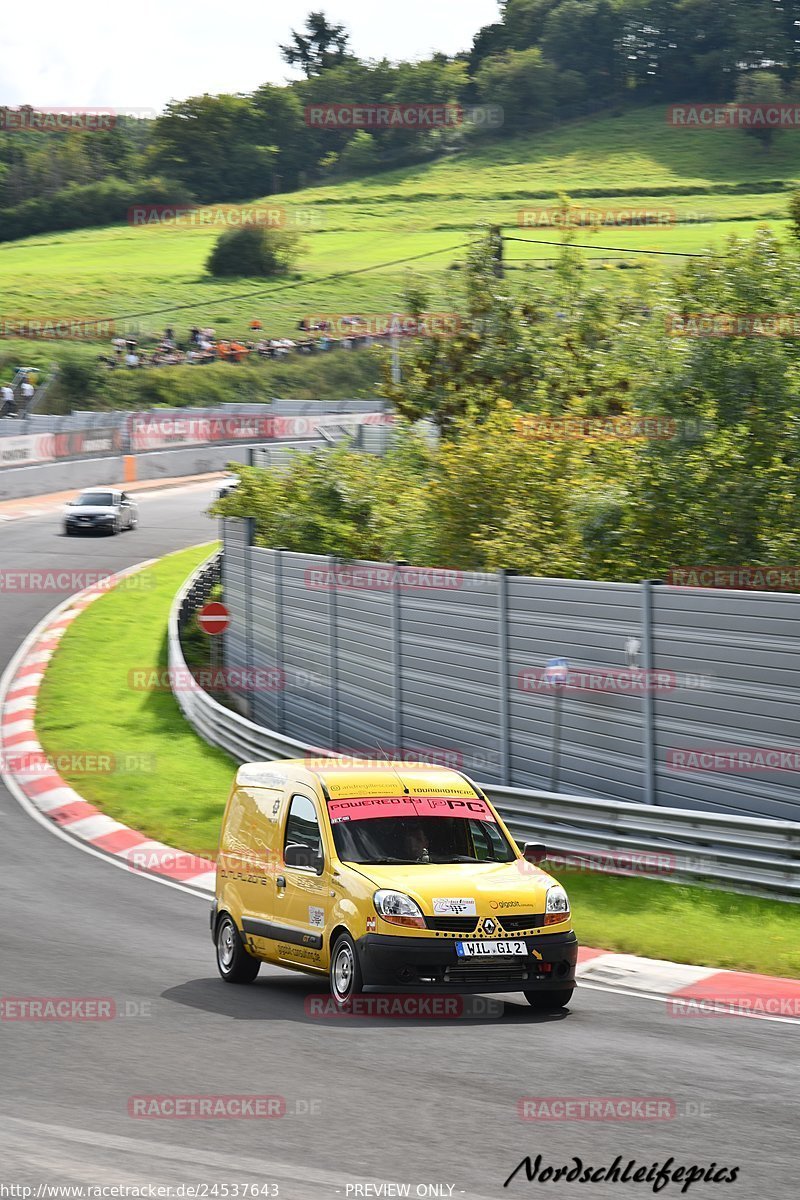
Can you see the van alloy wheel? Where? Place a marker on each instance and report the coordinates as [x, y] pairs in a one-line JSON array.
[[235, 965], [346, 978]]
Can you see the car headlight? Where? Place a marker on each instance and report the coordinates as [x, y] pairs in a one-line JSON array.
[[556, 907], [107, 517], [399, 909]]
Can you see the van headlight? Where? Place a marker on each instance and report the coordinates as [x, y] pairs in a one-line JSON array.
[[556, 907], [399, 909]]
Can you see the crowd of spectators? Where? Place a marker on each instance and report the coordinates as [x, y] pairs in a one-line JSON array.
[[203, 345]]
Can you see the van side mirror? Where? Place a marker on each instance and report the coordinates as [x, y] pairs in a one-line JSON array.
[[296, 855], [534, 852]]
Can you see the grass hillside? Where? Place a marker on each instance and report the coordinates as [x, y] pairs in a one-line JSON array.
[[716, 182]]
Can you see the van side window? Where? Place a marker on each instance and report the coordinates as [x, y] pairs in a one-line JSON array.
[[303, 842]]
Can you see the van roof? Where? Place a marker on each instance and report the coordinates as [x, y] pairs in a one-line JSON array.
[[352, 778]]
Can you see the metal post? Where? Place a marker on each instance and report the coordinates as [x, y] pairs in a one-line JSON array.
[[503, 680], [555, 757], [249, 539], [280, 695], [333, 646], [397, 674], [648, 703], [395, 349]]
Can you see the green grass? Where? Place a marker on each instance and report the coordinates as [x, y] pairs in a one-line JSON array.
[[86, 705], [717, 183], [685, 924]]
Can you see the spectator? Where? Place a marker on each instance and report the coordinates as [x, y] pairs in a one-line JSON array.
[[8, 405], [26, 391], [131, 358]]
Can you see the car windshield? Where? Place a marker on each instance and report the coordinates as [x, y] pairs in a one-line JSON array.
[[95, 498], [418, 839]]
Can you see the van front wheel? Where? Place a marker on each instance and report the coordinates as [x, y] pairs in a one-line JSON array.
[[545, 1002], [346, 977], [234, 964]]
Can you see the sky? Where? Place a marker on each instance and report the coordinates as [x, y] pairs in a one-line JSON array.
[[90, 53]]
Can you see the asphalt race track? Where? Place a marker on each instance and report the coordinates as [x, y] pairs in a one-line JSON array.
[[368, 1101]]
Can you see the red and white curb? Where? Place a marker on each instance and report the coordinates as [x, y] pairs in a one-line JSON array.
[[688, 991], [41, 788]]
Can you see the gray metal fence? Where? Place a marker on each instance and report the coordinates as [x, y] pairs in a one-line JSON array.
[[383, 659], [743, 854]]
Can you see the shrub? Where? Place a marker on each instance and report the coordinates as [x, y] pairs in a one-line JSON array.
[[253, 251]]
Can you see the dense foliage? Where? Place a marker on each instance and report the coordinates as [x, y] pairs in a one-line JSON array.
[[596, 497], [542, 62]]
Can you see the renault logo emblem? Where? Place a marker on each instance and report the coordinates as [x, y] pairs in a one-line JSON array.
[[489, 926]]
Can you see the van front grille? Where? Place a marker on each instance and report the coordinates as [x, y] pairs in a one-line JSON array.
[[452, 924]]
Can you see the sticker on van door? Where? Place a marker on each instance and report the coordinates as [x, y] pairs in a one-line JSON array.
[[316, 916]]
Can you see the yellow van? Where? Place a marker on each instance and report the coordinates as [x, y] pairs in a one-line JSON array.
[[387, 877]]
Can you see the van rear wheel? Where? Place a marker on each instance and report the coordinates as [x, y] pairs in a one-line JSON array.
[[234, 964], [346, 978]]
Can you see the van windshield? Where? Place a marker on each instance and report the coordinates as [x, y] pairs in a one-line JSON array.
[[419, 839]]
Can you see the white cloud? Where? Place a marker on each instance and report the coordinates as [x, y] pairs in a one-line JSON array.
[[90, 54]]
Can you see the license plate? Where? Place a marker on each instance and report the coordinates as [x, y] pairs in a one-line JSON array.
[[486, 949]]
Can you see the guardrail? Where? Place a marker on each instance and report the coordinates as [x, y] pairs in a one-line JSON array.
[[742, 854]]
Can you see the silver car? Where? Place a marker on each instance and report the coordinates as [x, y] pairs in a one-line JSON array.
[[100, 510]]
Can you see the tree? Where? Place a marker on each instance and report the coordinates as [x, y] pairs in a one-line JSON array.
[[761, 88], [321, 47], [360, 156], [253, 251], [526, 85]]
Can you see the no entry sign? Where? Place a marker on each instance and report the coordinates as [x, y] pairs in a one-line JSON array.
[[214, 618]]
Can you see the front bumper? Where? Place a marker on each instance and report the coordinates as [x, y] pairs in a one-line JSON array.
[[90, 524], [410, 964]]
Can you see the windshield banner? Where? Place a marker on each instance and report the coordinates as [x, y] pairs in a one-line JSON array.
[[372, 807]]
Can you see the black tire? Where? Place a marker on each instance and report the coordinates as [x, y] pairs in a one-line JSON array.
[[234, 964], [67, 531], [545, 1002], [346, 979]]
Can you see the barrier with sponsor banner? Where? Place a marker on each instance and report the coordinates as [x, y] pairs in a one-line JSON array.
[[30, 449], [157, 431]]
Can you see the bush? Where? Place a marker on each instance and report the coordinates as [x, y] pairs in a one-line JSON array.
[[794, 213], [254, 251], [82, 206]]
